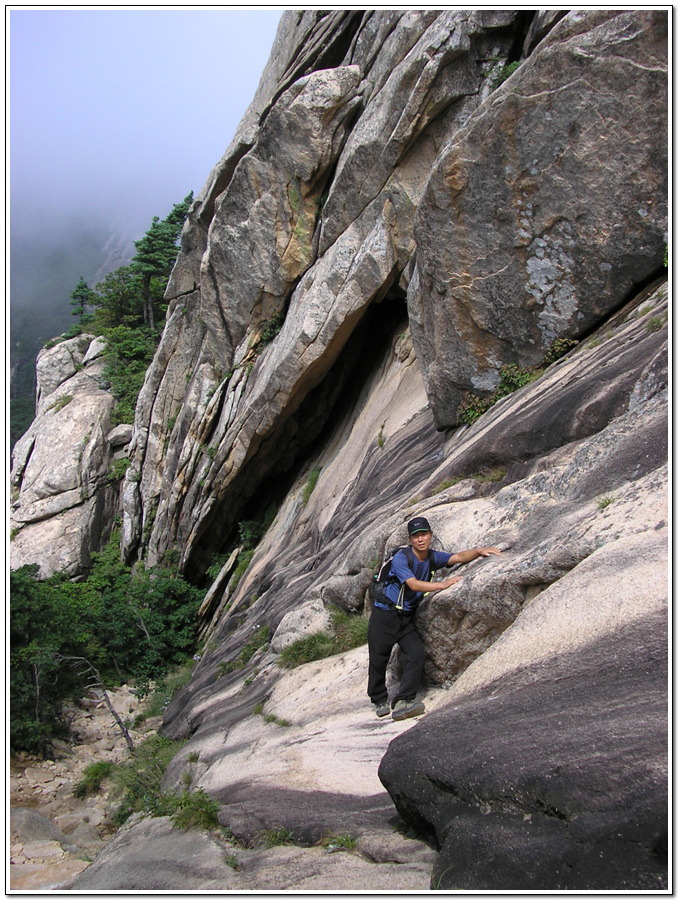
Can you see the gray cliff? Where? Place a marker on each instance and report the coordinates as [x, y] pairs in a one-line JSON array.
[[414, 200]]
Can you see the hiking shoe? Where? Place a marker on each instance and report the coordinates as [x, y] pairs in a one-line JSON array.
[[407, 709], [382, 709]]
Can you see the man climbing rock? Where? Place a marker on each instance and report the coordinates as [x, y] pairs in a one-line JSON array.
[[393, 616]]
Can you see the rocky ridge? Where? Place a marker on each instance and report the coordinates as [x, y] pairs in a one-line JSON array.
[[380, 200]]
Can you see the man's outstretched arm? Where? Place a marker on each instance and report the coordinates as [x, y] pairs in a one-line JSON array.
[[466, 556]]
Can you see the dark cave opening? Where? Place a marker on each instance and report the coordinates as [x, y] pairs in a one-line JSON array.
[[272, 471]]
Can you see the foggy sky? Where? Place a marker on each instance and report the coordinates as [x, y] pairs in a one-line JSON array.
[[116, 114]]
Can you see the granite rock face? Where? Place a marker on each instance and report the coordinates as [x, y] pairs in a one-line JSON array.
[[290, 257], [62, 501], [380, 161], [553, 775], [547, 209]]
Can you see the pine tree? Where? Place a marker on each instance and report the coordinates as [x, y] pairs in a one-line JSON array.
[[156, 253], [117, 299], [82, 296]]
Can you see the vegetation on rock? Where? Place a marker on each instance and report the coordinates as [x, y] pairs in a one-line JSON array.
[[511, 378], [258, 639], [310, 485], [346, 633]]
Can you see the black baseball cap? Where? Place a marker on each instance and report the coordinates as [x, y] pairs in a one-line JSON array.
[[418, 524]]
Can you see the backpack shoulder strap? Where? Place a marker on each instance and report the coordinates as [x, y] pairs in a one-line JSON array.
[[409, 554]]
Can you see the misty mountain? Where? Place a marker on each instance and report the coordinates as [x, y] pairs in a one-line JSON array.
[[45, 266]]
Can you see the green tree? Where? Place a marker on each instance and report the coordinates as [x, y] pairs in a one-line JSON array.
[[118, 300], [155, 256], [46, 617], [143, 621], [129, 352], [82, 297]]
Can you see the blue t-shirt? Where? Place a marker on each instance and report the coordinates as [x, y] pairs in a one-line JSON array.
[[401, 570]]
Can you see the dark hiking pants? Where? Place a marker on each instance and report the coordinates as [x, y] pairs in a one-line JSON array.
[[387, 628]]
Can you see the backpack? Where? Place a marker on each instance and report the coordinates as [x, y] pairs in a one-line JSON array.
[[382, 578]]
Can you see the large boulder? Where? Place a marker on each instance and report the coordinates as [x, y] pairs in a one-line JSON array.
[[548, 209]]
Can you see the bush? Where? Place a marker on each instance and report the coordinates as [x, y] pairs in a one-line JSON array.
[[511, 378], [255, 642], [164, 692], [272, 328], [250, 533], [318, 645], [504, 73], [117, 469], [128, 354], [558, 349], [217, 564], [92, 778], [139, 779], [130, 626], [656, 323], [243, 562], [195, 809]]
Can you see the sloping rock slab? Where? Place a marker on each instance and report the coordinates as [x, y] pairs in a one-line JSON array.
[[552, 777], [151, 855], [308, 815]]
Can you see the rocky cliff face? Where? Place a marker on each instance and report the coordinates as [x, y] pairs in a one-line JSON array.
[[392, 224], [381, 173]]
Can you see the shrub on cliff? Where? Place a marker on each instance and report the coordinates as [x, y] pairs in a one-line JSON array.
[[511, 378], [129, 352]]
